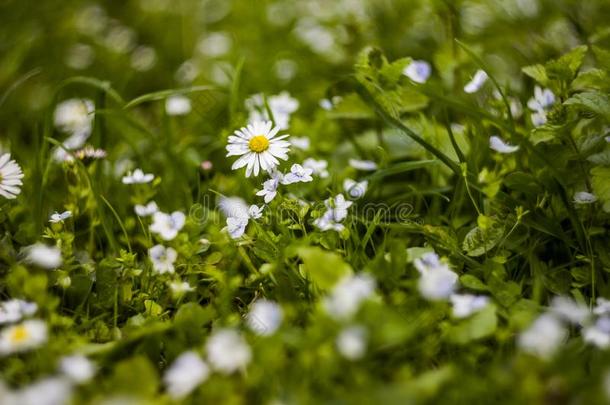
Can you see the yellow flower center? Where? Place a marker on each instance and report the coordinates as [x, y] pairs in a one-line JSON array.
[[258, 144], [19, 334]]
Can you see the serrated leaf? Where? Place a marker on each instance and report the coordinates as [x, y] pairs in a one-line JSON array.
[[479, 241], [473, 283], [593, 101], [537, 72]]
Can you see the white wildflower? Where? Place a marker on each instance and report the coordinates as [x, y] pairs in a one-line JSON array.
[[227, 351], [10, 177], [14, 310], [298, 174], [319, 167], [167, 226], [48, 257], [24, 336], [177, 105], [584, 197], [77, 368], [162, 258], [465, 305], [348, 294], [418, 70], [351, 342], [185, 374], [299, 142], [355, 189], [478, 80], [146, 210], [364, 165], [138, 177], [496, 143], [436, 281], [60, 217], [264, 317], [543, 337]]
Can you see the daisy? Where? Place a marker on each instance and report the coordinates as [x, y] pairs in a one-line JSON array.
[[14, 310], [228, 351], [77, 368], [478, 80], [264, 318], [10, 177], [298, 174], [177, 105], [89, 154], [138, 177], [319, 167], [465, 305], [146, 210], [348, 295], [167, 226], [584, 197], [185, 374], [57, 217], [24, 336], [258, 147], [355, 189], [364, 165], [496, 143], [162, 258], [48, 257], [351, 342], [418, 71]]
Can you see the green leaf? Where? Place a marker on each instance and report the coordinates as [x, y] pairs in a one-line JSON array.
[[480, 325], [473, 283], [135, 376], [538, 73], [600, 181], [593, 101], [478, 241], [566, 67], [324, 268]]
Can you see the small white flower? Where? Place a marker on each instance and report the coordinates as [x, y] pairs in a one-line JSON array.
[[185, 374], [167, 226], [543, 337], [607, 138], [496, 143], [319, 167], [299, 142], [599, 333], [270, 186], [10, 177], [465, 305], [348, 294], [146, 210], [364, 165], [162, 258], [57, 217], [75, 116], [281, 105], [215, 44], [298, 174], [570, 310], [418, 70], [177, 105], [14, 310], [27, 335], [478, 80], [258, 147], [255, 212], [236, 226], [351, 342], [538, 118], [584, 197], [264, 317], [338, 206], [48, 257], [227, 351], [48, 391], [355, 189], [138, 177], [543, 99], [602, 307], [180, 288], [326, 223], [436, 281], [79, 369], [233, 207]]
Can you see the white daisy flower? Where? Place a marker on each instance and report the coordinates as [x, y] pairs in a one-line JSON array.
[[270, 186], [14, 310], [364, 165], [348, 295], [177, 105], [258, 146], [89, 153], [351, 342], [478, 80], [162, 258], [570, 310], [77, 368], [299, 142], [57, 217], [27, 335], [584, 197], [255, 212], [146, 210], [48, 257], [10, 177], [319, 167], [355, 189], [167, 226], [138, 177], [543, 337], [75, 116], [418, 70], [236, 226], [264, 317], [227, 351], [298, 174], [598, 334], [436, 281], [465, 305], [496, 143], [185, 374]]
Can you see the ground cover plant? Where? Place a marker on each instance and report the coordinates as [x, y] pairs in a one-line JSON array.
[[294, 202]]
